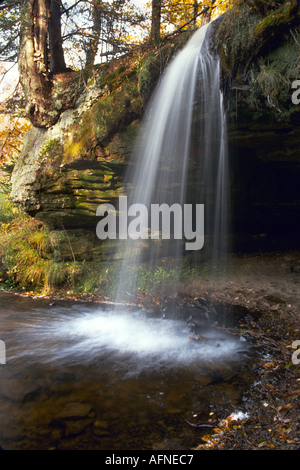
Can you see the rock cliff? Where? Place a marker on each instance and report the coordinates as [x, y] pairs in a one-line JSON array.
[[66, 171], [260, 57]]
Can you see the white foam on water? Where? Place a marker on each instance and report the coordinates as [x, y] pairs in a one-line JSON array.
[[134, 334], [120, 342]]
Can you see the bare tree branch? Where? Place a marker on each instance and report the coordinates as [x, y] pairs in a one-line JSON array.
[[6, 71], [185, 24], [8, 4]]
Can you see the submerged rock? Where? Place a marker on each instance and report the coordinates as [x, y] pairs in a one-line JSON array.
[[75, 410], [74, 428]]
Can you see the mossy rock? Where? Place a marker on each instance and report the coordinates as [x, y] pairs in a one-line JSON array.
[[66, 171], [72, 245], [245, 34]]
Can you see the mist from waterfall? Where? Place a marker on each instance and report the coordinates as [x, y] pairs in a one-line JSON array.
[[180, 156]]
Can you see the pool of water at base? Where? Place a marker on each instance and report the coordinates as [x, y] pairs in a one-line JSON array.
[[86, 376]]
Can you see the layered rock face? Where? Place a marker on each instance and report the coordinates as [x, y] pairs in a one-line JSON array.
[[66, 171], [264, 160], [262, 65]]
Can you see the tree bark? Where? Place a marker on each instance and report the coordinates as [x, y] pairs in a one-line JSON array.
[[33, 63], [57, 58], [195, 12], [40, 14], [206, 17], [155, 23], [94, 41]]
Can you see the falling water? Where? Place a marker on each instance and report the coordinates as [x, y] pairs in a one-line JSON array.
[[180, 154], [82, 377]]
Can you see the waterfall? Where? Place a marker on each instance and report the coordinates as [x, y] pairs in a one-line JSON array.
[[180, 157]]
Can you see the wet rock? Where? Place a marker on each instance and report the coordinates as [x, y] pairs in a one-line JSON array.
[[100, 428], [56, 434], [62, 377], [72, 420], [167, 444], [75, 410], [32, 396], [295, 269], [274, 299], [198, 337], [12, 390], [76, 427]]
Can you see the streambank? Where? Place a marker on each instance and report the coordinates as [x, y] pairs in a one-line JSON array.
[[256, 280], [268, 285]]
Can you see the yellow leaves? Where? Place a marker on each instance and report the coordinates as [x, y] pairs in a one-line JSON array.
[[107, 178], [266, 444], [232, 423], [4, 227], [176, 13], [269, 365], [12, 132]]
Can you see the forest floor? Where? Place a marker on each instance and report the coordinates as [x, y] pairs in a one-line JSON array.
[[267, 285]]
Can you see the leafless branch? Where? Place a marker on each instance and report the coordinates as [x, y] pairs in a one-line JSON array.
[[6, 71], [185, 24]]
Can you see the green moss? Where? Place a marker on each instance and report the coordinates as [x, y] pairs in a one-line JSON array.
[[245, 33], [122, 142], [234, 38], [273, 83], [269, 22], [286, 58], [7, 209], [270, 86], [259, 53], [148, 68], [91, 81], [281, 16], [108, 115], [115, 111], [49, 146], [115, 78]]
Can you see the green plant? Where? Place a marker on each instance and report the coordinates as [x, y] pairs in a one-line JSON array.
[[7, 209], [272, 84], [48, 146]]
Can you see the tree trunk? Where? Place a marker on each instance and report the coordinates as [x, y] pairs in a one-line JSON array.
[[40, 17], [33, 63], [195, 12], [155, 24], [94, 41], [206, 16], [57, 58]]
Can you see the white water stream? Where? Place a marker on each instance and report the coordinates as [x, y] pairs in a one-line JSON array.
[[183, 139]]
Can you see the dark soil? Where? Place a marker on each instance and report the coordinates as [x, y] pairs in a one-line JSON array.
[[268, 285]]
